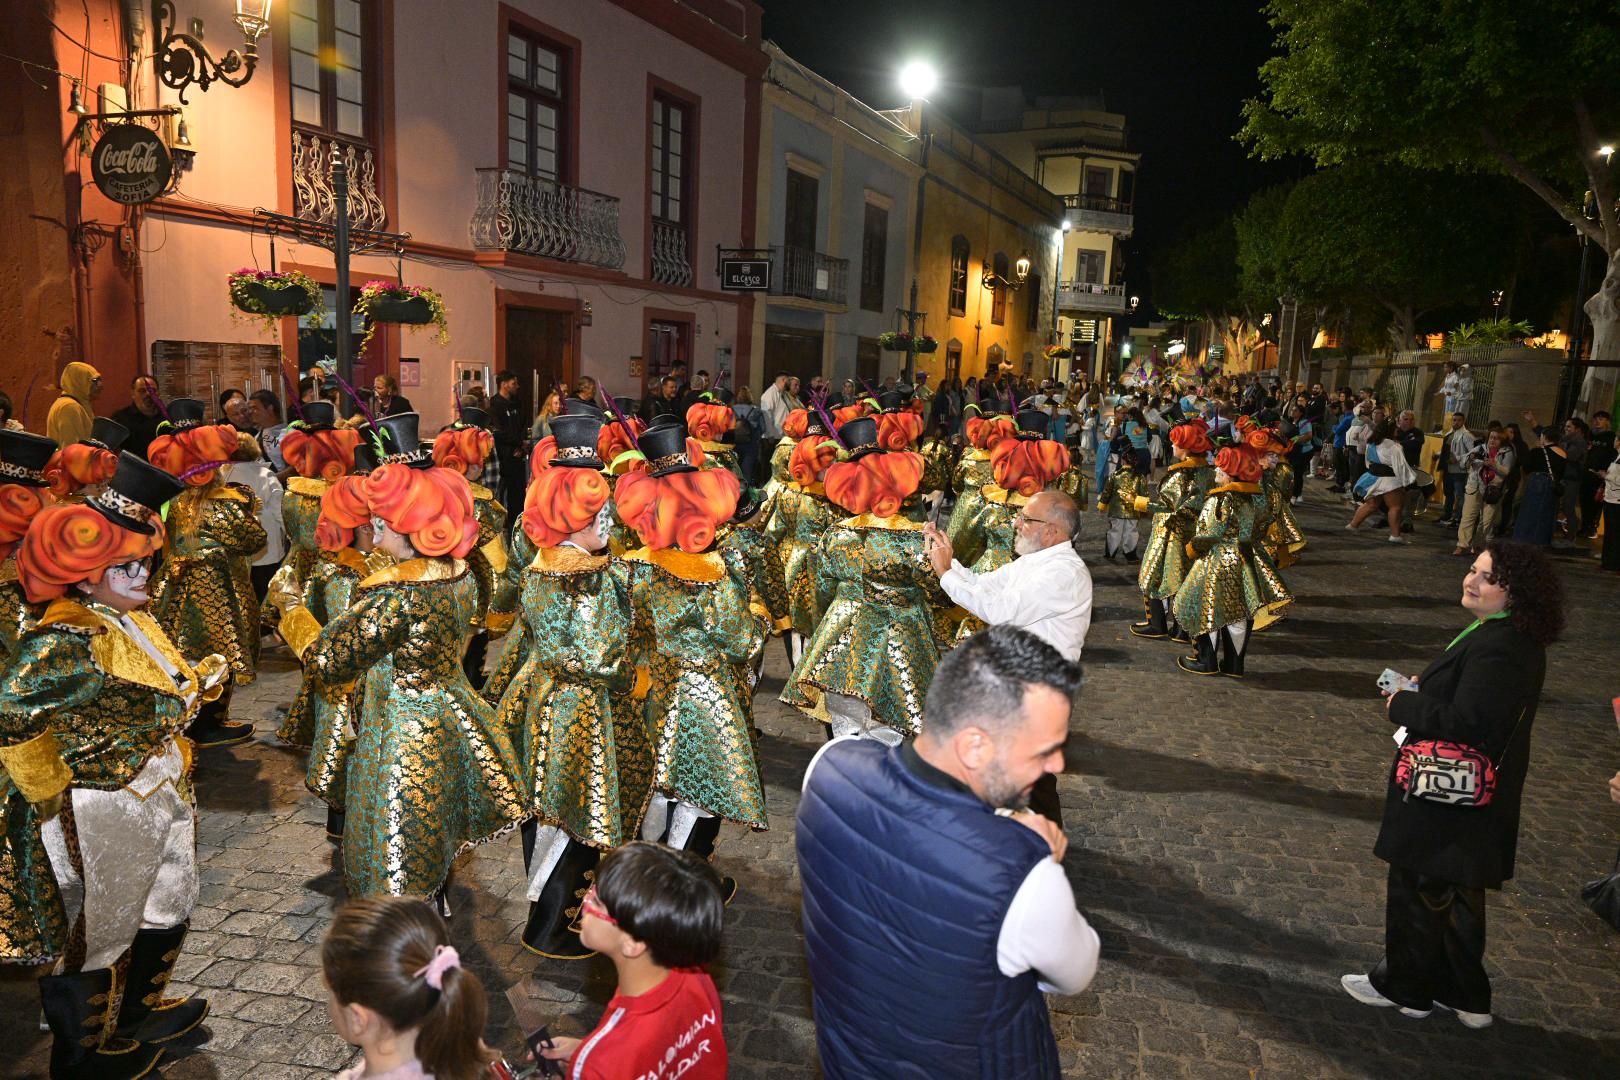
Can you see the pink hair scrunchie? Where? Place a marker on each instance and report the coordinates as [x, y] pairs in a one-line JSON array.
[[445, 957]]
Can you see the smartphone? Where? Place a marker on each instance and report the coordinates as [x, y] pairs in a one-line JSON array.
[[536, 1032]]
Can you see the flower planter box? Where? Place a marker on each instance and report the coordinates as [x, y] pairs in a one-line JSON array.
[[277, 299], [411, 311]]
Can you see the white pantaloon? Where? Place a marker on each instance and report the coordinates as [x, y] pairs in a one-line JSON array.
[[852, 716], [1122, 536]]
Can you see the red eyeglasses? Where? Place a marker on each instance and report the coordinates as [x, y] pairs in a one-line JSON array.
[[592, 905]]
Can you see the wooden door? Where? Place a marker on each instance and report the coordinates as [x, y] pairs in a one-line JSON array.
[[539, 350]]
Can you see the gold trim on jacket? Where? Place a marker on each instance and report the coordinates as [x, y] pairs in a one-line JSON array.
[[423, 569], [707, 567], [567, 560]]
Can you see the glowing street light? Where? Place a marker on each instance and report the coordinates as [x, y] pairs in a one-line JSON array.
[[1607, 150], [918, 79]]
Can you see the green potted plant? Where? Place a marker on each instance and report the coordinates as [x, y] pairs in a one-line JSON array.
[[900, 341], [408, 305], [270, 295]]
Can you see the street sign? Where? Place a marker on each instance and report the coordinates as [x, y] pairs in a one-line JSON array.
[[745, 275], [130, 164]]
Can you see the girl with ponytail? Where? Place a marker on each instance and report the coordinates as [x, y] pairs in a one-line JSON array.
[[871, 657], [396, 989]]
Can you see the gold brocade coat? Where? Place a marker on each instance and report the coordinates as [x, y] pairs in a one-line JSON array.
[[937, 458], [1223, 587], [1283, 538], [800, 514], [779, 464], [1119, 494], [1175, 511], [81, 704], [766, 588], [490, 560], [300, 513], [585, 748], [318, 720], [15, 610], [973, 471], [505, 610], [203, 596], [430, 774], [695, 630], [879, 640], [724, 456]]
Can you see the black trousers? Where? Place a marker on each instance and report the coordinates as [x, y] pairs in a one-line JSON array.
[[261, 576], [1611, 536], [1434, 944]]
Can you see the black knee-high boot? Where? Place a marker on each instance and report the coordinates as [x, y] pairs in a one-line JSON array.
[[472, 662], [213, 726], [81, 1008], [705, 832], [1231, 654], [1154, 627], [146, 1015], [553, 927], [1204, 663]]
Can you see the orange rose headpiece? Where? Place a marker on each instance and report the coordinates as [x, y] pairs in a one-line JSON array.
[[432, 507], [1240, 463], [1245, 424], [19, 505], [985, 432], [708, 422], [811, 457], [320, 453], [185, 450], [1266, 441], [612, 443], [678, 509], [853, 411], [70, 543], [876, 483], [343, 510], [794, 424], [1191, 438], [899, 430], [462, 448], [1028, 465], [561, 502], [77, 465]]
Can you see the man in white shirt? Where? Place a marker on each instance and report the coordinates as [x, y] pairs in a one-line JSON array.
[[775, 403], [1045, 590]]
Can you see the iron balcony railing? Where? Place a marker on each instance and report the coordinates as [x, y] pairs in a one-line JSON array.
[[530, 215], [1102, 299], [670, 264], [808, 274], [313, 199], [1099, 213]]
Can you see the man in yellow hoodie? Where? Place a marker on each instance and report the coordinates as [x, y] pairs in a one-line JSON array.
[[71, 416]]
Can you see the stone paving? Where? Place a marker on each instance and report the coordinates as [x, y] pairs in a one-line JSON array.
[[1220, 842]]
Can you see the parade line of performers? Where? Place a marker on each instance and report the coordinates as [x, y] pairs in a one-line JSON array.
[[635, 595]]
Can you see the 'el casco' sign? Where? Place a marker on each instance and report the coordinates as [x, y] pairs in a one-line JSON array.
[[130, 164]]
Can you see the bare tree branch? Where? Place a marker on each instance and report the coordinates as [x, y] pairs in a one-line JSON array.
[[1602, 185], [1516, 169]]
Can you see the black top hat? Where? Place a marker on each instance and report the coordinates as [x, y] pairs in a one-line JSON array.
[[748, 503], [186, 412], [134, 497], [365, 456], [861, 437], [894, 400], [1033, 424], [108, 434], [472, 416], [717, 395], [576, 440], [663, 420], [665, 449], [573, 406], [23, 457], [401, 441], [318, 414], [623, 403]]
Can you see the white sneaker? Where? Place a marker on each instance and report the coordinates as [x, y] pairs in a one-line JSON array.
[[1361, 988], [1476, 1021], [1399, 540]]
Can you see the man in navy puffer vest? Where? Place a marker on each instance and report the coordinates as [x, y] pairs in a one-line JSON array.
[[936, 910]]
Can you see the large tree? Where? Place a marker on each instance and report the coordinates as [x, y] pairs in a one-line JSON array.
[[1528, 90], [1196, 279]]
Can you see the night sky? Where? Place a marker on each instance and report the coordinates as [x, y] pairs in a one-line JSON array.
[[1178, 69]]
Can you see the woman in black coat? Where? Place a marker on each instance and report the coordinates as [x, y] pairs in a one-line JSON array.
[[1482, 692]]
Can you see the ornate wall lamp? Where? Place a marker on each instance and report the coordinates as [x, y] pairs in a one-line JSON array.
[[1020, 274], [182, 59]]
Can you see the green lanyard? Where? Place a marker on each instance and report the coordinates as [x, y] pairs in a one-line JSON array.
[[1475, 625]]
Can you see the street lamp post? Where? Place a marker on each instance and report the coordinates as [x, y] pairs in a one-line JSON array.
[[1496, 304], [917, 80]]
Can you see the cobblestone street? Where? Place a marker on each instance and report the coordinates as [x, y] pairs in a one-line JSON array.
[[1221, 840]]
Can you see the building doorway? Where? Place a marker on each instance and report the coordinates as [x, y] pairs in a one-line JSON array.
[[797, 352], [539, 348]]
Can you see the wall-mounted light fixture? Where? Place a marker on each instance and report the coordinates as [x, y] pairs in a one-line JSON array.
[[182, 59]]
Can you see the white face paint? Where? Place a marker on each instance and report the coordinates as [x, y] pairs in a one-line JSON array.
[[604, 521], [122, 587]]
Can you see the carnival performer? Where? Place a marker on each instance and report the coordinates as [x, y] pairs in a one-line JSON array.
[[1282, 537], [431, 774], [695, 630], [1175, 509], [800, 514], [709, 420], [82, 469], [464, 446], [973, 472], [1127, 480], [319, 453], [794, 426], [1221, 593], [97, 820], [867, 667], [319, 719], [1023, 466], [586, 753], [24, 492], [203, 594]]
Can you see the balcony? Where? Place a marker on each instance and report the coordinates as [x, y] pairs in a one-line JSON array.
[[670, 263], [1080, 298], [313, 199], [1099, 213], [529, 215], [808, 275]]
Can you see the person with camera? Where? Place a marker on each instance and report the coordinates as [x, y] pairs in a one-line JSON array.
[[1489, 464], [1451, 808]]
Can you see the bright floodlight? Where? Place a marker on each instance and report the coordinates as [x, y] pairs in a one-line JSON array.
[[918, 79], [1606, 150]]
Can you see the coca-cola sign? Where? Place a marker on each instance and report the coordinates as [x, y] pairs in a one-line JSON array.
[[130, 164]]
